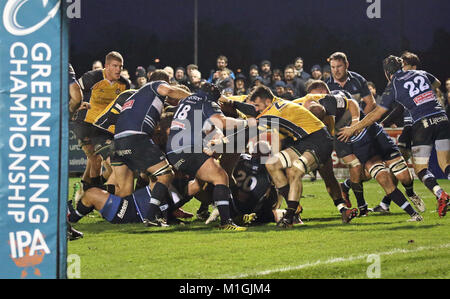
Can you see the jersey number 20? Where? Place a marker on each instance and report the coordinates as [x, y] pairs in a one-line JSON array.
[[247, 183]]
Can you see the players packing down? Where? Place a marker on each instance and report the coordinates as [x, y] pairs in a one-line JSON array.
[[198, 118], [414, 91], [310, 150], [134, 148], [346, 112]]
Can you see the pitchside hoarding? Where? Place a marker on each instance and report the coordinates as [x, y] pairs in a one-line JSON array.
[[33, 138]]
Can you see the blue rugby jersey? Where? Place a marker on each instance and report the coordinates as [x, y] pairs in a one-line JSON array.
[[414, 91], [141, 112], [190, 122]]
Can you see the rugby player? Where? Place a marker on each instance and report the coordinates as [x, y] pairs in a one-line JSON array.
[[346, 112], [255, 198], [75, 94], [100, 87], [310, 150], [414, 90], [352, 82], [134, 148], [197, 120]]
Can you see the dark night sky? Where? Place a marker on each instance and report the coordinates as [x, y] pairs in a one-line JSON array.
[[266, 25]]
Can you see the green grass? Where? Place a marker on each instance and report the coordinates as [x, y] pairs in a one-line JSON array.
[[322, 248]]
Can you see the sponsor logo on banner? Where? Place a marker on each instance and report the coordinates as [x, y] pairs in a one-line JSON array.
[[30, 133], [12, 11]]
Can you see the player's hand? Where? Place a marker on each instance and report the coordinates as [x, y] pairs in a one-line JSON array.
[[217, 141], [225, 100], [345, 134], [84, 106]]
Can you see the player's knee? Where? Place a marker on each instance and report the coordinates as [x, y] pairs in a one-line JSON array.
[[377, 171], [399, 168], [355, 163], [274, 164], [294, 173]]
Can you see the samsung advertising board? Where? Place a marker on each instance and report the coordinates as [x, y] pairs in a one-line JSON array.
[[33, 138]]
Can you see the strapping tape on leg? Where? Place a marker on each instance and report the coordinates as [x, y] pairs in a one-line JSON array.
[[398, 167], [442, 145], [421, 154], [284, 159], [166, 169], [376, 169], [301, 164], [354, 163]]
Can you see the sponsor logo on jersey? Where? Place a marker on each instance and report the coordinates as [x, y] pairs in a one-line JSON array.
[[128, 105], [424, 98], [123, 209], [177, 124]]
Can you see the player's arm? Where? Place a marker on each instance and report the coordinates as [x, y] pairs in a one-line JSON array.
[[435, 83], [172, 92], [370, 103], [353, 108], [366, 96], [76, 96], [228, 123], [373, 116], [243, 107]]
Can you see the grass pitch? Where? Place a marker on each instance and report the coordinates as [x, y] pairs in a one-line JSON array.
[[381, 246]]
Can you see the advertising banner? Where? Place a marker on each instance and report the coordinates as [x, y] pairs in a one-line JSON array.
[[33, 139]]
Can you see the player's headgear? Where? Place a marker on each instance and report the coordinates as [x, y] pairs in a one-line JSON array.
[[392, 64], [212, 91]]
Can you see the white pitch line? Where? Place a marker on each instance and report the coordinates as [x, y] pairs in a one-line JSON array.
[[335, 260]]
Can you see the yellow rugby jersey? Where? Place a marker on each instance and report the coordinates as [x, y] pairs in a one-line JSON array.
[[329, 120], [240, 98], [294, 120], [107, 119], [99, 92]]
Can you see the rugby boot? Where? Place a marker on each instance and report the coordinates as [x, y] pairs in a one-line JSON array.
[[73, 234], [363, 211], [157, 222], [286, 222], [346, 197], [349, 214], [379, 209], [418, 203], [415, 218], [180, 213], [443, 202], [231, 226]]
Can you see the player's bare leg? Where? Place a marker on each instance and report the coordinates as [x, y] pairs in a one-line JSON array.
[[379, 172], [287, 170], [161, 174], [420, 159], [355, 170], [334, 190], [123, 180], [399, 168], [212, 173]]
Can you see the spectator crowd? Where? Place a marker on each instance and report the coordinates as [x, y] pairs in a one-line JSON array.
[[288, 83]]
